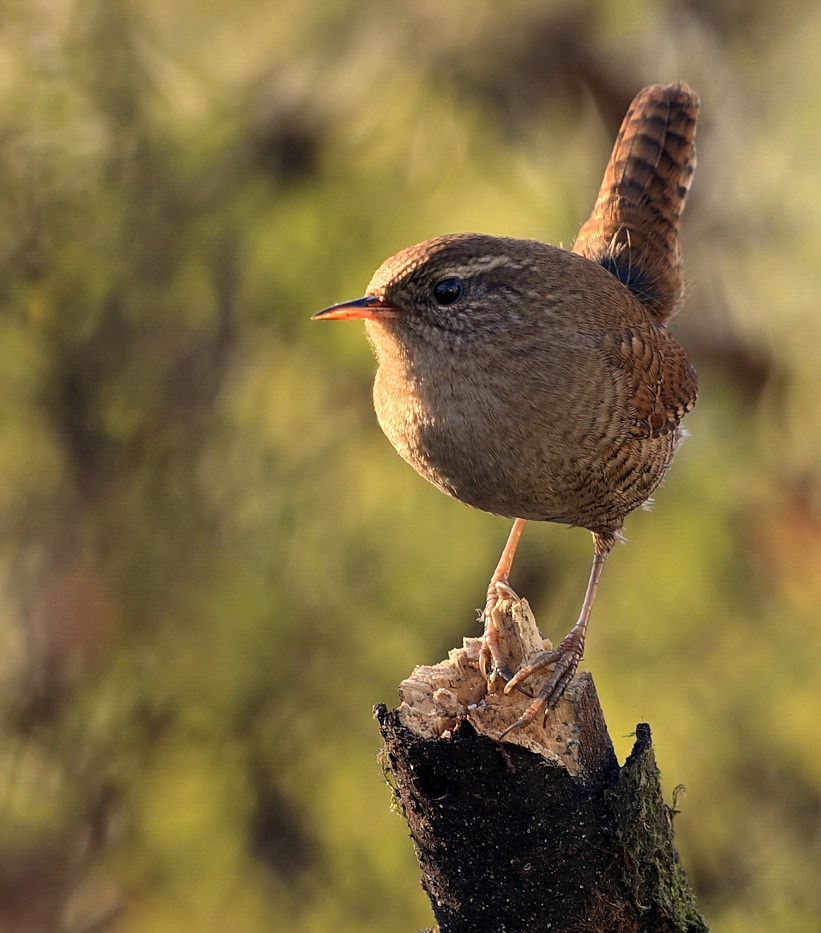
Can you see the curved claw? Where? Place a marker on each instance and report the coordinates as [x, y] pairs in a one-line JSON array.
[[566, 658], [541, 660], [489, 667], [485, 662], [521, 721]]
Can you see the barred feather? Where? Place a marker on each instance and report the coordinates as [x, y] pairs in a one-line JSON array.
[[633, 230]]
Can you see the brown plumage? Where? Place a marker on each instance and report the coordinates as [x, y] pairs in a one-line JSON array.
[[634, 228], [537, 383]]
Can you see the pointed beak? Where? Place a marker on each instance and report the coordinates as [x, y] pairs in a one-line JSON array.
[[367, 307]]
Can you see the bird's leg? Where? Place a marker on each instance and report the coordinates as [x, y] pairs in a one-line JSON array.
[[567, 656], [491, 661]]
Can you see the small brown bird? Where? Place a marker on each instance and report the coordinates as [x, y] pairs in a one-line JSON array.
[[541, 384]]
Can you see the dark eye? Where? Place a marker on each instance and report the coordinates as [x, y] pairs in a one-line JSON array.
[[447, 291]]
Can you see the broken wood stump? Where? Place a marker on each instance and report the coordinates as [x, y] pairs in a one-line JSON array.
[[543, 831]]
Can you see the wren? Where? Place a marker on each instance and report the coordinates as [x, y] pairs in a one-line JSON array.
[[543, 384]]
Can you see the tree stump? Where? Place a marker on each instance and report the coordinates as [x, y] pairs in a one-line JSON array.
[[543, 831]]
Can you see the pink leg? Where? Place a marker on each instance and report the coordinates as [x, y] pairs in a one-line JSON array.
[[491, 661], [567, 656]]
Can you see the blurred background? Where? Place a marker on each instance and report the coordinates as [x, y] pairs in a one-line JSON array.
[[213, 564]]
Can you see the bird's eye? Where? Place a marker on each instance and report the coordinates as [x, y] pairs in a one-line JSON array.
[[447, 291]]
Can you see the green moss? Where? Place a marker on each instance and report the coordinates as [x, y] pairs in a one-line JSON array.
[[651, 872]]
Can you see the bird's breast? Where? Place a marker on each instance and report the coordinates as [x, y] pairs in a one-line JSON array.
[[537, 433], [468, 430]]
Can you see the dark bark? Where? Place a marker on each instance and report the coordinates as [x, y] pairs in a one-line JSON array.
[[549, 837]]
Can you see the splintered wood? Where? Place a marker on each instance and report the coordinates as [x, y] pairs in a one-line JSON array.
[[436, 699]]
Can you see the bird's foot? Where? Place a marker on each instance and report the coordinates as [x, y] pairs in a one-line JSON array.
[[566, 659], [492, 664]]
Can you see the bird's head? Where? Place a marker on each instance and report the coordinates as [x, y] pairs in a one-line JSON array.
[[451, 291]]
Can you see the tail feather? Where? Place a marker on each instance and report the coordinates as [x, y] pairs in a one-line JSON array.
[[633, 230]]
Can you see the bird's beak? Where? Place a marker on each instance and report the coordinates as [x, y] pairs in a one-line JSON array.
[[367, 307]]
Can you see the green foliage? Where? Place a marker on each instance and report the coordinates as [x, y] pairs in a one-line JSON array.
[[214, 565]]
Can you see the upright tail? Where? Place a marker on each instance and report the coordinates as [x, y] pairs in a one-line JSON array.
[[634, 227]]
